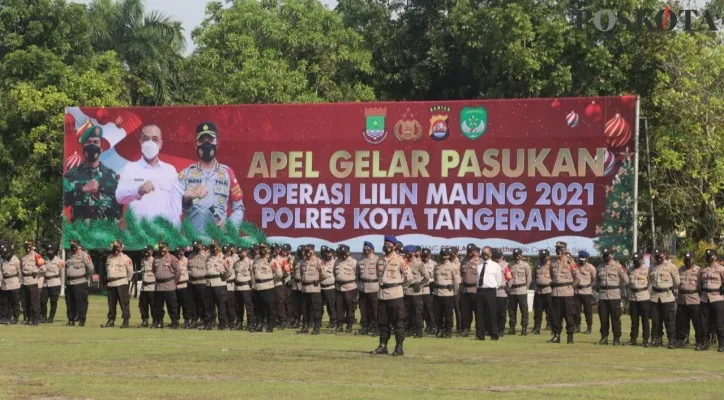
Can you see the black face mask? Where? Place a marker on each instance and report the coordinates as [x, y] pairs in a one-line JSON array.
[[28, 248], [387, 249], [262, 253], [73, 247], [607, 258], [206, 151], [51, 254], [638, 263], [91, 152], [197, 249]]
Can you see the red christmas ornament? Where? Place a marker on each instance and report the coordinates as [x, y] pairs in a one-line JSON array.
[[593, 112], [617, 132], [555, 104], [628, 101], [102, 116]]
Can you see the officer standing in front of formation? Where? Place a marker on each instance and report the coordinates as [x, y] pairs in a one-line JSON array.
[[311, 273], [119, 271], [166, 271], [242, 288], [10, 286], [584, 292], [32, 266], [446, 279], [711, 279], [542, 297], [489, 278], [148, 287], [564, 278], [428, 309], [197, 272], [329, 297], [610, 278], [345, 277], [183, 293], [369, 286], [215, 287], [413, 292], [501, 296], [664, 279], [639, 304], [688, 303], [468, 295], [392, 274], [264, 272], [79, 268], [51, 287], [518, 295]]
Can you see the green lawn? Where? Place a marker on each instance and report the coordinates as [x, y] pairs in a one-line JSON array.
[[71, 362]]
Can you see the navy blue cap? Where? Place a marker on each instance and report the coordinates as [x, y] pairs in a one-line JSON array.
[[409, 249], [368, 244], [583, 254], [391, 239]]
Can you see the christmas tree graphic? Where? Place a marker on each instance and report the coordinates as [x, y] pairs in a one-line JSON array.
[[616, 230]]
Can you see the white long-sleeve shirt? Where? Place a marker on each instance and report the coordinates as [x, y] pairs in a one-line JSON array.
[[164, 200], [493, 277]]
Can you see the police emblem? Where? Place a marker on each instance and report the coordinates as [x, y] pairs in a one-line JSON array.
[[375, 132], [473, 122], [439, 129], [408, 129]]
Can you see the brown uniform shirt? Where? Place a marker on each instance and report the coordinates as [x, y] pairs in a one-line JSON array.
[[430, 267], [53, 271], [712, 279], [503, 289], [563, 277], [148, 279], [367, 272], [166, 271], [263, 272], [543, 278], [469, 275], [520, 270], [689, 285], [197, 269], [11, 274], [311, 271], [32, 266], [229, 272], [242, 273], [78, 267], [419, 276], [447, 279], [119, 270], [327, 282], [216, 270], [183, 268], [639, 284], [664, 278], [586, 278], [296, 274], [392, 273], [277, 263], [610, 278], [345, 274]]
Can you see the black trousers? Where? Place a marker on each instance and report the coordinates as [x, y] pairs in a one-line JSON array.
[[312, 305], [198, 300], [468, 305], [712, 315], [640, 311], [295, 304], [485, 317], [329, 298], [30, 299], [500, 312], [185, 303], [9, 304], [663, 314], [244, 303], [76, 300], [458, 314], [428, 311], [168, 297], [515, 302], [51, 293], [345, 306], [231, 306], [686, 313], [541, 303], [563, 307], [216, 298], [585, 302], [610, 311], [146, 306], [368, 309], [444, 306], [414, 307], [268, 306], [391, 315], [279, 297], [119, 294]]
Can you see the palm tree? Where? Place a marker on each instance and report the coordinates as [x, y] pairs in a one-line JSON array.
[[149, 44]]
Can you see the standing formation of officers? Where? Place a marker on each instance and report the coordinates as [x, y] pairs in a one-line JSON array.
[[402, 292]]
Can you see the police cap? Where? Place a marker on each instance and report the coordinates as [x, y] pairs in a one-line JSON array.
[[206, 128]]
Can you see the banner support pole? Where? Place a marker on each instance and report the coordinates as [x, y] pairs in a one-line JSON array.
[[635, 229]]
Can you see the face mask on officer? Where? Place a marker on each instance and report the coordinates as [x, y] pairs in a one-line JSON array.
[[28, 247], [91, 152], [518, 257], [51, 253], [163, 250], [424, 257], [116, 249], [659, 258], [308, 254], [387, 249], [688, 262], [607, 257], [542, 257], [206, 151], [263, 251], [366, 250], [73, 247], [242, 254], [559, 251], [196, 249]]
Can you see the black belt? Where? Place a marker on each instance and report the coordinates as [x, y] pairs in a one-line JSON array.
[[480, 289], [52, 276], [390, 285], [639, 290], [148, 283], [243, 283], [518, 285], [561, 284], [33, 275], [326, 286], [74, 277], [609, 287], [10, 276], [203, 279], [681, 291], [109, 280], [542, 286], [710, 290], [309, 283], [657, 290], [164, 280], [212, 276], [263, 280], [297, 280], [345, 282], [369, 280], [448, 287], [584, 286]]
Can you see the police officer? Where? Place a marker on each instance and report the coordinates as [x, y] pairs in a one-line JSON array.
[[455, 259], [392, 274], [216, 296], [688, 303], [413, 291], [427, 301], [610, 278], [146, 302], [584, 292], [518, 294], [183, 293], [664, 278], [564, 278], [542, 297], [711, 279], [311, 273], [447, 283], [9, 286], [51, 285], [243, 282], [279, 289], [79, 268], [197, 277], [32, 266], [287, 260], [119, 271], [166, 271], [329, 295], [639, 301], [345, 277], [501, 296], [230, 257], [296, 286], [368, 288], [468, 295], [264, 272]]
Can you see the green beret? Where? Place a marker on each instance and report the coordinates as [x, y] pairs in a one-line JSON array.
[[93, 131]]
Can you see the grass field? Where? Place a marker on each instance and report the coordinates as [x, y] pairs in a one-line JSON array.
[[70, 362]]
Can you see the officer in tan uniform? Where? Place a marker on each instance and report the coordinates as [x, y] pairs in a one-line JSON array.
[[542, 297], [639, 304], [119, 271], [9, 286], [311, 273], [688, 303], [501, 295], [79, 268], [610, 278], [216, 296], [51, 285], [468, 297], [243, 282], [197, 278], [368, 288], [564, 278], [230, 257], [146, 301], [711, 278], [664, 278], [447, 282], [264, 273], [279, 291], [458, 313], [329, 294], [32, 266], [166, 271], [392, 274], [584, 292], [296, 283], [345, 276], [183, 293], [518, 294], [413, 292], [287, 260], [427, 300]]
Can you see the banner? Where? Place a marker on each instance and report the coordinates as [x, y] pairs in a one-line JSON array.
[[505, 173]]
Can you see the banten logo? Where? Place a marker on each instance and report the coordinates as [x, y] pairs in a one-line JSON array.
[[439, 128]]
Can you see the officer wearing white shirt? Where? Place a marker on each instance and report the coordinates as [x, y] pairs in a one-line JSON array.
[[490, 278], [150, 186]]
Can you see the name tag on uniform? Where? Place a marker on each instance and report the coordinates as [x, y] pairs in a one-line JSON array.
[[191, 180], [138, 180]]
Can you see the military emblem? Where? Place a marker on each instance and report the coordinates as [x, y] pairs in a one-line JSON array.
[[473, 122], [439, 129], [408, 129], [375, 132]]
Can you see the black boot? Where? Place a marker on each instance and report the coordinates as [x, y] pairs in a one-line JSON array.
[[536, 330], [672, 344], [331, 325], [699, 347], [4, 321], [381, 349], [174, 324], [303, 330], [34, 322], [588, 330], [705, 345], [81, 323], [398, 348], [645, 343], [144, 324], [511, 331], [109, 324], [548, 326], [43, 319], [418, 335], [721, 348], [339, 328], [555, 339], [465, 333], [348, 329], [578, 328], [631, 342], [524, 331], [655, 341], [315, 331], [570, 338], [187, 324], [440, 334], [604, 340], [616, 341], [124, 325], [363, 331]]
